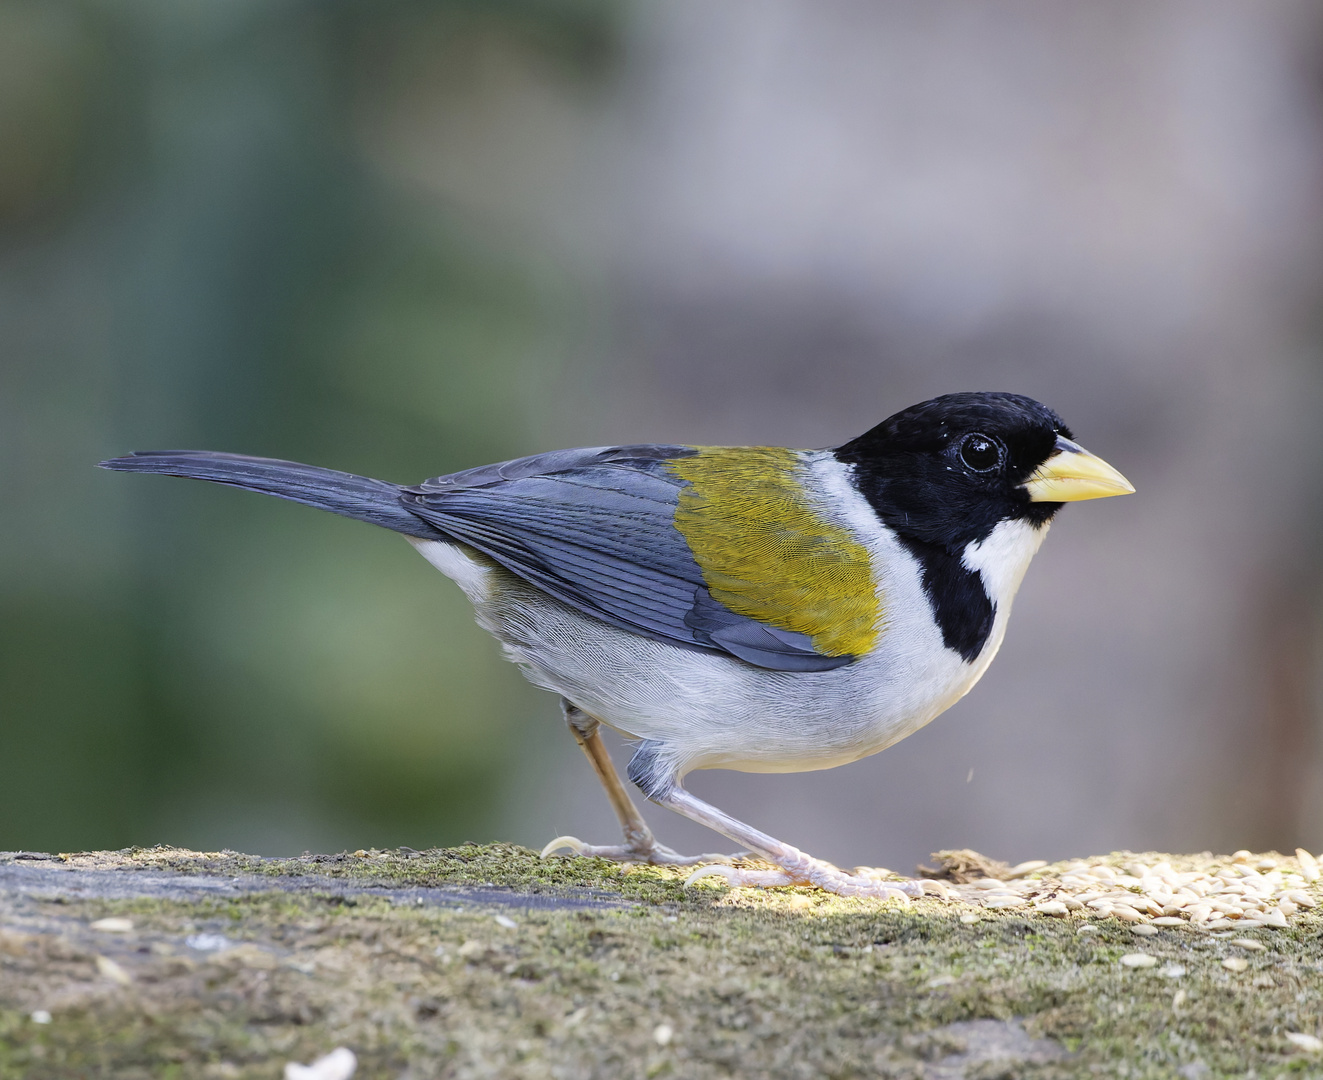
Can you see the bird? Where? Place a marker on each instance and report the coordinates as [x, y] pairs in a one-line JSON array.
[[755, 608]]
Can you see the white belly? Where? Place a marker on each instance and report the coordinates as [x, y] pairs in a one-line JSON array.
[[713, 711]]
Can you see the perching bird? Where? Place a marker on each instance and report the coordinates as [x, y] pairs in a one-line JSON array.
[[752, 608]]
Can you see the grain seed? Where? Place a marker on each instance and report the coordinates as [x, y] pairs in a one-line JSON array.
[[1306, 1042], [1139, 960], [1053, 907], [339, 1064], [1006, 902], [1144, 930], [113, 925], [1308, 864], [1168, 920], [1173, 971], [1249, 944], [112, 971], [662, 1034], [1235, 963]]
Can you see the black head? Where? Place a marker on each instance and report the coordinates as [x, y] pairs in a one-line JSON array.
[[946, 471]]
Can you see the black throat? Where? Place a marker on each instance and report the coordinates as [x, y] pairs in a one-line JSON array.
[[959, 599]]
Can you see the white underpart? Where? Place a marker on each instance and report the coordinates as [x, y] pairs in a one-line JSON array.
[[1001, 561], [457, 563], [709, 710]]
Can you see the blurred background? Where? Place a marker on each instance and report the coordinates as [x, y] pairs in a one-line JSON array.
[[401, 238]]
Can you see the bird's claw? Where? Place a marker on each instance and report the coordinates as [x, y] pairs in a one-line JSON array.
[[654, 854], [823, 876]]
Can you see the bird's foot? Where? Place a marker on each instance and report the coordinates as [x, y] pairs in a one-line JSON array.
[[864, 881], [648, 851]]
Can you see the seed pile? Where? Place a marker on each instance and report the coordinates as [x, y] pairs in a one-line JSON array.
[[1244, 890]]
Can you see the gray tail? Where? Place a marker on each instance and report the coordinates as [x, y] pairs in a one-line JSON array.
[[358, 497]]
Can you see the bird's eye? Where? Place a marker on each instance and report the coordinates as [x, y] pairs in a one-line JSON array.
[[980, 453]]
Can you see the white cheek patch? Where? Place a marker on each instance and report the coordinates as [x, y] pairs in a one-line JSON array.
[[1002, 558]]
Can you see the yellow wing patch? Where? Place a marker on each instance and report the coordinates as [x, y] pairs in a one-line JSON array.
[[768, 555]]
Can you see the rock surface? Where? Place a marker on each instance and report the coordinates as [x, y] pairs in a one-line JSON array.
[[484, 961]]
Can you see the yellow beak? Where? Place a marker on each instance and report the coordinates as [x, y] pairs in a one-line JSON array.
[[1072, 474]]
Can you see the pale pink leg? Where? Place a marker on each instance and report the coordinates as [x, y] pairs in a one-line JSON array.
[[796, 867]]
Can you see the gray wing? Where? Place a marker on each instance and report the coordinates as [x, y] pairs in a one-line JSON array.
[[594, 528]]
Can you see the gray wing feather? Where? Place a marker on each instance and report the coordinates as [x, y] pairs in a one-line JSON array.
[[595, 529]]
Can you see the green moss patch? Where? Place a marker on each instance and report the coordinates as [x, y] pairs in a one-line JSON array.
[[700, 982]]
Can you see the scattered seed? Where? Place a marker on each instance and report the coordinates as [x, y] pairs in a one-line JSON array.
[[1173, 971], [114, 925], [1250, 891], [1139, 960], [504, 920], [662, 1034], [1144, 930], [970, 920], [40, 1016], [1308, 864], [112, 971], [1235, 963], [339, 1064], [1305, 1042], [1179, 999], [1249, 944]]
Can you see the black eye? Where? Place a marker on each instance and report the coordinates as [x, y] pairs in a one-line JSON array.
[[980, 453]]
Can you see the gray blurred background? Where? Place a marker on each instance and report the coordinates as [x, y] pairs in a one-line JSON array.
[[402, 237]]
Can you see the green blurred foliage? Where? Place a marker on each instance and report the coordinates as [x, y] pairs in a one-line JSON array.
[[200, 246]]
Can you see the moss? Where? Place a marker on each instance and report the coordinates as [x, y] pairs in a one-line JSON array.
[[785, 983]]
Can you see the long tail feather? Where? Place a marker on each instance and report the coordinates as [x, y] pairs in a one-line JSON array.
[[358, 497]]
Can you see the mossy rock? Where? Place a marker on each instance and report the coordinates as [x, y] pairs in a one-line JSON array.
[[485, 961]]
